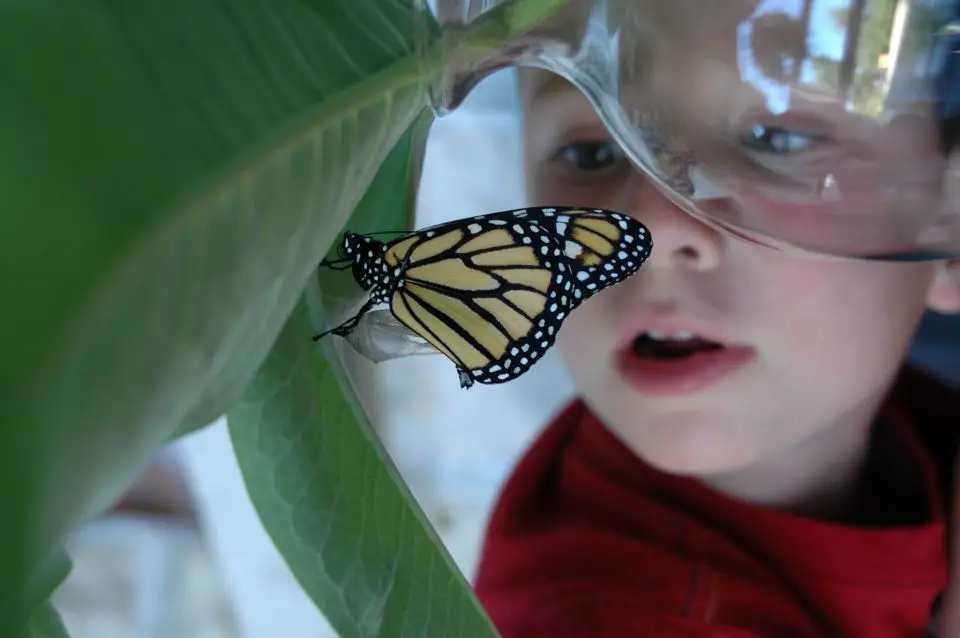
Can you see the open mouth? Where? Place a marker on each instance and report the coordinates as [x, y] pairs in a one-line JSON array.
[[681, 345], [673, 364]]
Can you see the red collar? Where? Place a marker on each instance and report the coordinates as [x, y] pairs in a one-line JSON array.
[[584, 530]]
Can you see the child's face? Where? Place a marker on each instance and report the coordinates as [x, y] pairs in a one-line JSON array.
[[808, 343]]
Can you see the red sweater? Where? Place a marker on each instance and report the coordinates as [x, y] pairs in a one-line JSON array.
[[589, 541]]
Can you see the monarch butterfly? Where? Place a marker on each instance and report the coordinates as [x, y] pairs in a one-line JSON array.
[[491, 291]]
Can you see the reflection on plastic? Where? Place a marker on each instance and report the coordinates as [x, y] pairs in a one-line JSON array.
[[824, 125]]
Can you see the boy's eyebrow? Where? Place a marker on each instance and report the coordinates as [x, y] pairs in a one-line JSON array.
[[546, 84]]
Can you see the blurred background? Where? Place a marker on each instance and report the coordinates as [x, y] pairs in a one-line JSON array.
[[183, 554]]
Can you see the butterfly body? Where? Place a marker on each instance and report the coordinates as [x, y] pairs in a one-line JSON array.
[[490, 292]]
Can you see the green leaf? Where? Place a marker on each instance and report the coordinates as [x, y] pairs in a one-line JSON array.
[[336, 507], [173, 171], [324, 487], [326, 490], [45, 623]]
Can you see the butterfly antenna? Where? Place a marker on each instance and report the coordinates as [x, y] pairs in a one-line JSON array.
[[387, 232]]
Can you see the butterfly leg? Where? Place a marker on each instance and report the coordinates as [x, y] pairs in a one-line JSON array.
[[349, 325], [465, 379], [338, 264]]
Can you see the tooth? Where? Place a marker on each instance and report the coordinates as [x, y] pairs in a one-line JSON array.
[[683, 335], [653, 334]]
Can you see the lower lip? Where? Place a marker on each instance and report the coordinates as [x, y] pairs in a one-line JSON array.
[[677, 377]]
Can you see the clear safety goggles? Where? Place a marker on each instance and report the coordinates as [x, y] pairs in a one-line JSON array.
[[831, 126]]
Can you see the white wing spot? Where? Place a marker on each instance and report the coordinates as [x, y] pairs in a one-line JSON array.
[[572, 249], [474, 228]]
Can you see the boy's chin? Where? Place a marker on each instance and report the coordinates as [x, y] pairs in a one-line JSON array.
[[690, 443]]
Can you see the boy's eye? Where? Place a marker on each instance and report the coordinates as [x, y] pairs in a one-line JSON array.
[[590, 155], [777, 140]]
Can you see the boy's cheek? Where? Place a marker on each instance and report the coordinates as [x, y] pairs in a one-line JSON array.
[[584, 339], [568, 341]]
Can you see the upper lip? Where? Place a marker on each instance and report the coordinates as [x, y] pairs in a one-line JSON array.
[[668, 323]]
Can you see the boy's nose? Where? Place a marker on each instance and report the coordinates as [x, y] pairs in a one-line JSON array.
[[679, 239]]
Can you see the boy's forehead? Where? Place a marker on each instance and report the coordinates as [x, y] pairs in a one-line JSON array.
[[537, 84], [655, 71], [700, 90]]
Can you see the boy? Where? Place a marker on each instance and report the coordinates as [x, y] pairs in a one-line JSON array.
[[790, 481]]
